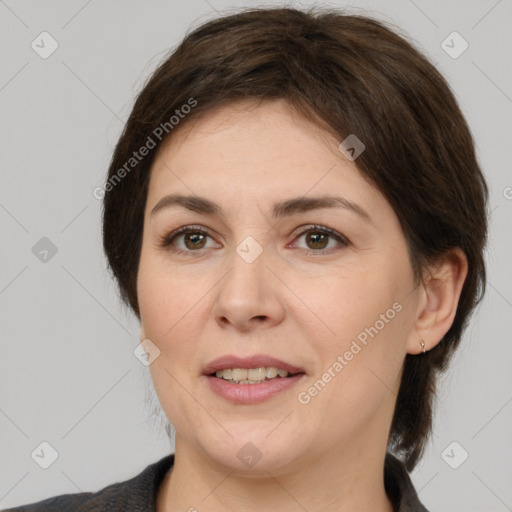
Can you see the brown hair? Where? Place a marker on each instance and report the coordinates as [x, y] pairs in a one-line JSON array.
[[350, 75]]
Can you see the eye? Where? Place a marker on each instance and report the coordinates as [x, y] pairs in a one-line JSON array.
[[193, 238], [319, 237]]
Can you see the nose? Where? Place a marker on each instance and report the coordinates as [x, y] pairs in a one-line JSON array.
[[249, 296]]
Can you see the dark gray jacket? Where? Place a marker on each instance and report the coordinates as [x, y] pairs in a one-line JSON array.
[[139, 493]]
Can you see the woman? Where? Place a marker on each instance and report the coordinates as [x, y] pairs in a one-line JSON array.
[[296, 216]]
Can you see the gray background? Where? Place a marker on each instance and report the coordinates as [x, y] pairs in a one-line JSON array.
[[68, 375]]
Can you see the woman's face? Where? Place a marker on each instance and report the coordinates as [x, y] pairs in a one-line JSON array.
[[243, 282]]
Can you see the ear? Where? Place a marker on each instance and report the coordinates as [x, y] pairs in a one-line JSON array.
[[438, 300]]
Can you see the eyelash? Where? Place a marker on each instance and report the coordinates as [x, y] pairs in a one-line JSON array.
[[167, 240]]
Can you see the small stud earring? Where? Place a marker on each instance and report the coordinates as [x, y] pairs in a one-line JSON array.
[[422, 343]]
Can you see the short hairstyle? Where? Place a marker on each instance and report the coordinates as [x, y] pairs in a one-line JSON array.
[[348, 74]]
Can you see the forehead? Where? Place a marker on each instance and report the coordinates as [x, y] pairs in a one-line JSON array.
[[256, 152], [259, 138]]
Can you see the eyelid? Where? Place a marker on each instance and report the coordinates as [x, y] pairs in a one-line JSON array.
[[317, 227], [167, 240], [341, 239]]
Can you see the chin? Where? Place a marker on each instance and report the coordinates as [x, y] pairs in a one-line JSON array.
[[253, 452]]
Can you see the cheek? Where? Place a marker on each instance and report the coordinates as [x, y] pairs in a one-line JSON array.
[[364, 323], [343, 304], [166, 296], [169, 313], [175, 306]]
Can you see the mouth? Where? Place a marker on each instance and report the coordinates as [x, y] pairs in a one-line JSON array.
[[251, 380], [252, 375]]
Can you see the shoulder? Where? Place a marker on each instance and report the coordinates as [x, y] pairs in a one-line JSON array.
[[136, 494], [62, 503]]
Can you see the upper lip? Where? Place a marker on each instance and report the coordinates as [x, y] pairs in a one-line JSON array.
[[255, 361]]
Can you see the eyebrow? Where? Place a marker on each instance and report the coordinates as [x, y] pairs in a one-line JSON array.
[[281, 209]]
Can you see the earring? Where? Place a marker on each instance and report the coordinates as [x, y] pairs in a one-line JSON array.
[[422, 343]]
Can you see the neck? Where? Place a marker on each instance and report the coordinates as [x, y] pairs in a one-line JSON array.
[[338, 480]]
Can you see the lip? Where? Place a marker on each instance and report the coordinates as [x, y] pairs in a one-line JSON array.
[[255, 361], [251, 393]]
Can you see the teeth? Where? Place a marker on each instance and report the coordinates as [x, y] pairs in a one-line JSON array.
[[256, 374], [238, 374], [250, 376], [271, 372]]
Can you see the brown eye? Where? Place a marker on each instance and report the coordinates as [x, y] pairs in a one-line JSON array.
[[317, 239], [185, 240], [191, 239], [194, 240]]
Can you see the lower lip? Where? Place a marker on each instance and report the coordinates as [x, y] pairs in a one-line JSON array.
[[251, 393]]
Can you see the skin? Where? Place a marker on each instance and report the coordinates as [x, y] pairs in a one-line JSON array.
[[289, 303]]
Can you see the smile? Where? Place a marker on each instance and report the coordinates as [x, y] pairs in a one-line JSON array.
[[251, 375]]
